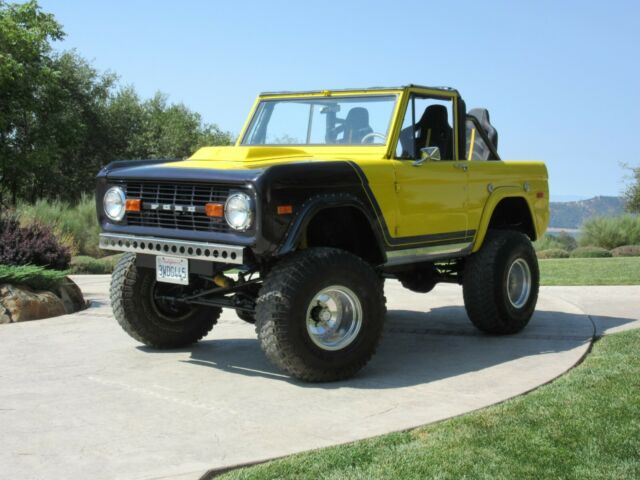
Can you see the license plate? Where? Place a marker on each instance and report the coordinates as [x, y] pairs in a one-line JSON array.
[[172, 270]]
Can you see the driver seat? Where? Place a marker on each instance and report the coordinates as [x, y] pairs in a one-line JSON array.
[[432, 130], [356, 126], [435, 131]]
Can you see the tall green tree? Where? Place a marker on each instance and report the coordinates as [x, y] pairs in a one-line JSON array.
[[61, 120], [632, 194], [156, 129], [73, 137], [26, 69]]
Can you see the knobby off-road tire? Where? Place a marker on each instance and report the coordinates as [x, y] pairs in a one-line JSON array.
[[153, 322], [307, 286], [501, 282]]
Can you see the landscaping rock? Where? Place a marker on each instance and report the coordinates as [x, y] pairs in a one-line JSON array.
[[71, 296], [19, 303]]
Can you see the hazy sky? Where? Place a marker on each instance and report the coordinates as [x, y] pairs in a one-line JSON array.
[[559, 78]]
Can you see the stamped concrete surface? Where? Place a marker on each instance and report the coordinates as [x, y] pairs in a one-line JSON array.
[[80, 399]]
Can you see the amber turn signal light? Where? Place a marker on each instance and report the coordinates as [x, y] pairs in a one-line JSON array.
[[285, 209], [133, 204], [214, 210]]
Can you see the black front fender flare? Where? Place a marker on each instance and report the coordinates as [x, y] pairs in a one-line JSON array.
[[311, 207]]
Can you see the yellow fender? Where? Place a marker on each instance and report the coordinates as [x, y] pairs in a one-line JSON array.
[[499, 194]]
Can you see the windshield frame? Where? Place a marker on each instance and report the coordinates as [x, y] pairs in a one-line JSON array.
[[392, 95]]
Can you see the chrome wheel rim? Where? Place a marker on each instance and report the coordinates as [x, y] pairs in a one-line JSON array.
[[334, 318], [519, 283]]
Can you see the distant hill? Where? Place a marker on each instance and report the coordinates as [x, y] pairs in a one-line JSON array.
[[572, 214]]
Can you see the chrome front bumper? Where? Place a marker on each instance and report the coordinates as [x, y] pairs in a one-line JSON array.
[[212, 252]]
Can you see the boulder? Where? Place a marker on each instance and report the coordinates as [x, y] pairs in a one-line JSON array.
[[71, 296], [20, 303]]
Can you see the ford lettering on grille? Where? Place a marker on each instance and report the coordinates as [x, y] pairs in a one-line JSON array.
[[175, 208]]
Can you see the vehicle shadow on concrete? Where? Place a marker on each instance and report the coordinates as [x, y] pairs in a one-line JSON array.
[[417, 348]]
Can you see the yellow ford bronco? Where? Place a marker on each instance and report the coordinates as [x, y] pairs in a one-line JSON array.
[[295, 227]]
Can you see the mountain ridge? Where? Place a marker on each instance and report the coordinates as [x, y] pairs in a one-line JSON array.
[[573, 214]]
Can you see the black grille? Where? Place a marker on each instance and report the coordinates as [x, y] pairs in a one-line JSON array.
[[177, 206]]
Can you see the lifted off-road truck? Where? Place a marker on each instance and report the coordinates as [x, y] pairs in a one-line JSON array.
[[296, 226]]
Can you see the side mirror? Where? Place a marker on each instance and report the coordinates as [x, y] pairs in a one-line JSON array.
[[428, 154]]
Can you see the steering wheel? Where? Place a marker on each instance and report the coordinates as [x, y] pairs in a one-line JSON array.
[[372, 135]]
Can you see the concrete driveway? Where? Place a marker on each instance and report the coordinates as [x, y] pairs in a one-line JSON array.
[[80, 399]]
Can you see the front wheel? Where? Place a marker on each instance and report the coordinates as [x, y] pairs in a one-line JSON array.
[[501, 282], [143, 308], [320, 314]]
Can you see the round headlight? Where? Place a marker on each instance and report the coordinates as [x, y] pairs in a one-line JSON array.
[[114, 203], [237, 211]]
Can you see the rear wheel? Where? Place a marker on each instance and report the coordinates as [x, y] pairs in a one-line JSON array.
[[320, 314], [501, 282], [143, 308]]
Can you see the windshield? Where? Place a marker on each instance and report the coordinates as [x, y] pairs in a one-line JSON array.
[[357, 120]]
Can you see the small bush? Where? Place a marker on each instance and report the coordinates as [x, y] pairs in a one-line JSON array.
[[76, 226], [553, 253], [38, 278], [562, 241], [626, 251], [547, 242], [84, 264], [34, 244], [611, 232], [590, 252], [568, 242]]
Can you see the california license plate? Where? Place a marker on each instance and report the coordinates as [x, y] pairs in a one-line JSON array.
[[172, 270]]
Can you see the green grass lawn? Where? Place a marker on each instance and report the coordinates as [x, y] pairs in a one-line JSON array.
[[585, 425], [590, 271]]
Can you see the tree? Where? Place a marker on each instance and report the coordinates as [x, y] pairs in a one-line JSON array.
[[73, 135], [156, 129], [632, 194], [174, 131], [25, 67], [61, 120]]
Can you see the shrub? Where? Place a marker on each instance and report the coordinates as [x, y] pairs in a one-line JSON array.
[[567, 241], [590, 252], [611, 232], [562, 241], [84, 264], [553, 253], [38, 278], [34, 244], [547, 242], [626, 251], [76, 226]]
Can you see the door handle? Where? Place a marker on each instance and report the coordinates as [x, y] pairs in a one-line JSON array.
[[462, 166]]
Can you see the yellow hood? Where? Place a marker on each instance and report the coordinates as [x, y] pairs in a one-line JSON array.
[[248, 157], [251, 157]]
